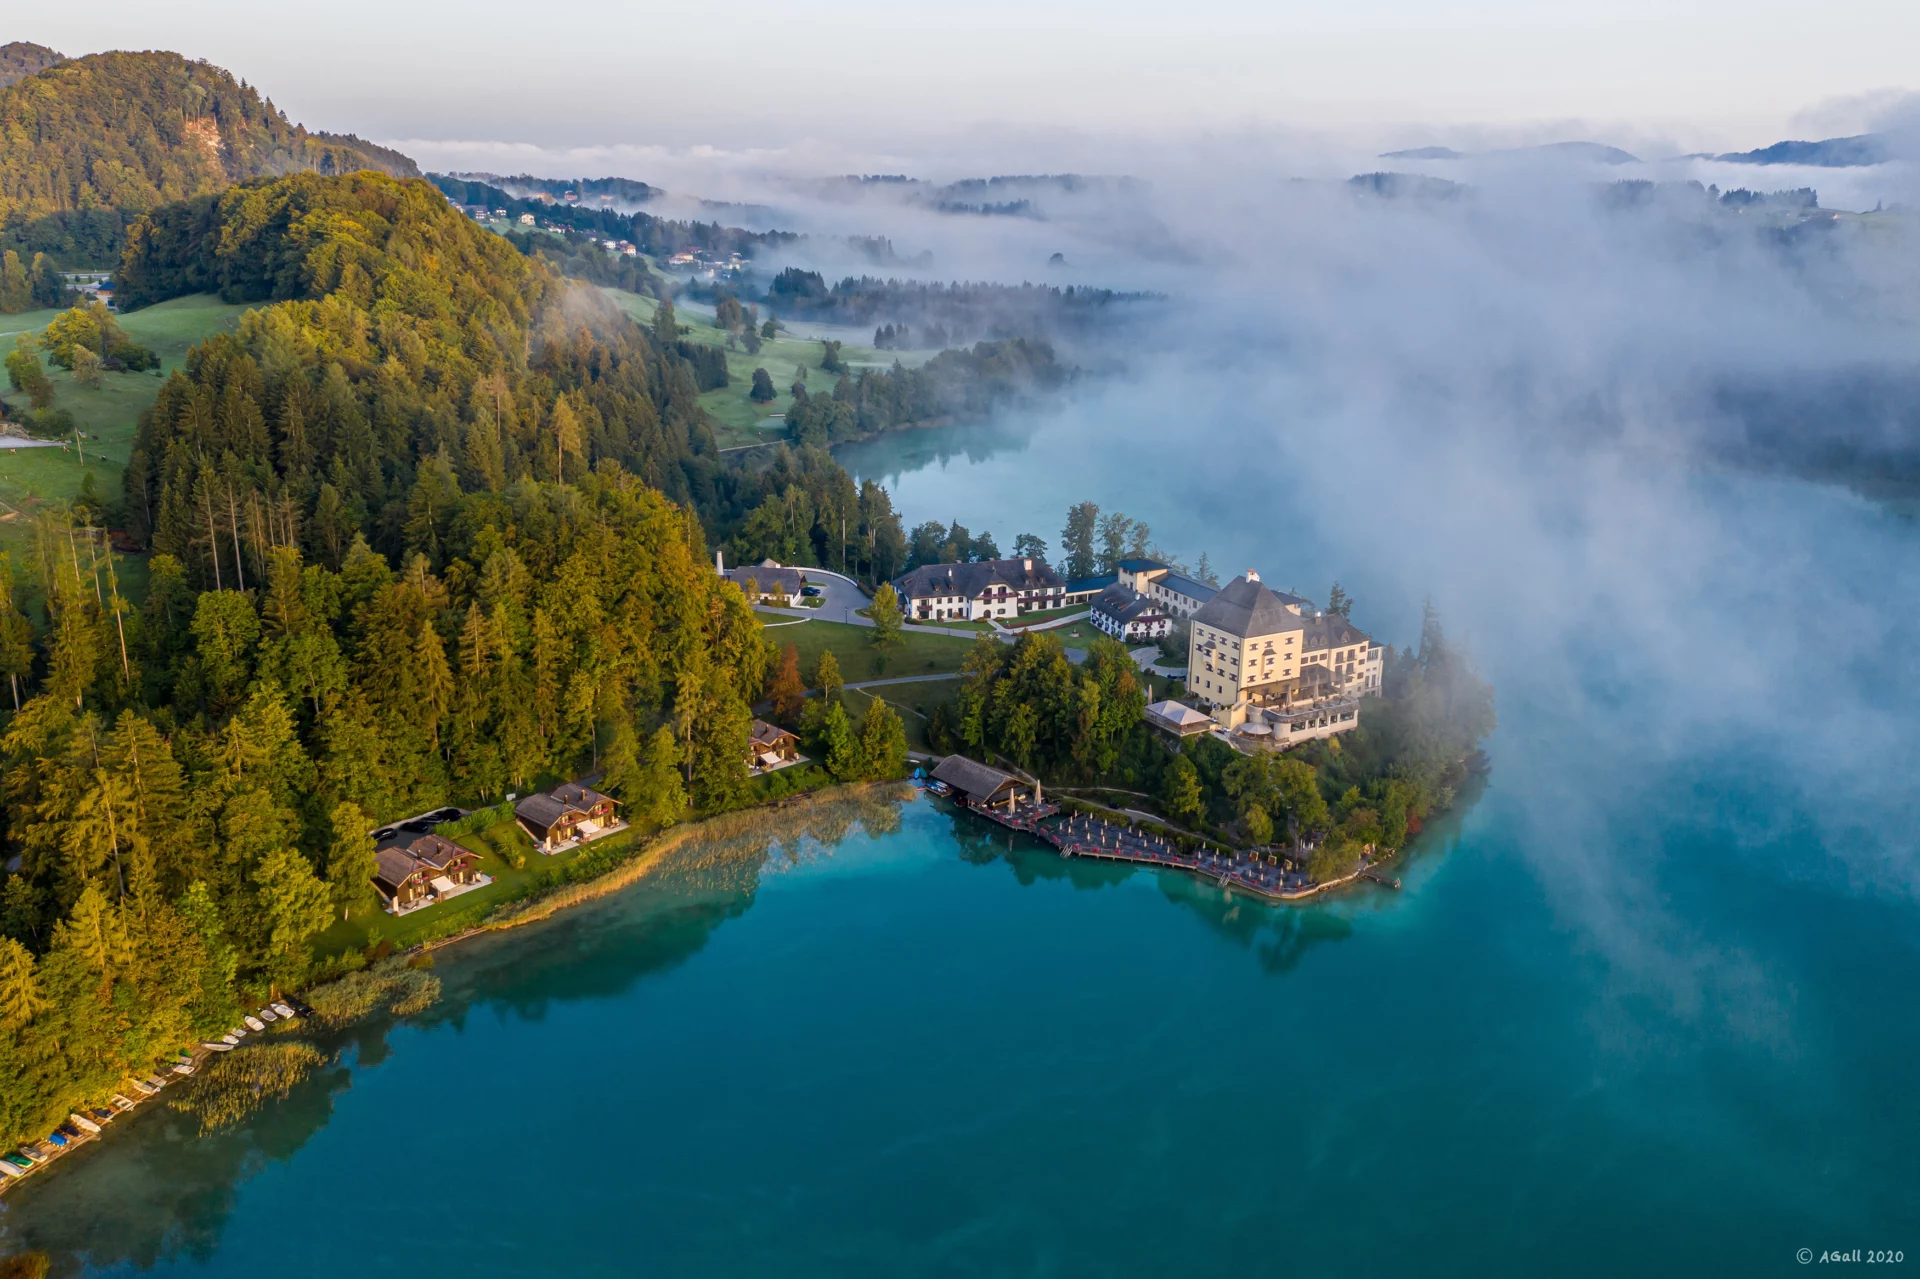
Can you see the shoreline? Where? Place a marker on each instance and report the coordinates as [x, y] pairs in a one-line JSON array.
[[643, 862]]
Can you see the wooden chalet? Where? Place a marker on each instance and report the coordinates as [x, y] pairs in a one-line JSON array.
[[570, 811], [771, 746], [976, 785], [413, 870]]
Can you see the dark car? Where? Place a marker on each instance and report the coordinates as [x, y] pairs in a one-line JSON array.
[[810, 591]]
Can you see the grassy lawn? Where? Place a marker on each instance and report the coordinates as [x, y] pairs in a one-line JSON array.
[[852, 647], [784, 359], [494, 845], [1050, 615], [953, 625], [914, 702], [111, 411]]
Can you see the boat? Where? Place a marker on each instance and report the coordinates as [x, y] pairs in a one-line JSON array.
[[120, 1102], [102, 1114], [216, 1046], [144, 1088], [68, 1131], [230, 1039], [254, 1023], [32, 1156], [183, 1069], [157, 1082], [18, 1160], [284, 1011], [11, 1170], [83, 1123], [939, 787], [267, 1014]]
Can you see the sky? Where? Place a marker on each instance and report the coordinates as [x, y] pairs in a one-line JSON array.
[[882, 77]]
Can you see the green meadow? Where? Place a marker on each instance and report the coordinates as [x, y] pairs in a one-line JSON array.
[[786, 359], [106, 416]]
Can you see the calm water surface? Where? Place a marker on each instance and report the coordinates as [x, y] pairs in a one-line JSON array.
[[1645, 1006]]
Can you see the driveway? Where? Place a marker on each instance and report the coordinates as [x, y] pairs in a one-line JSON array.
[[843, 602]]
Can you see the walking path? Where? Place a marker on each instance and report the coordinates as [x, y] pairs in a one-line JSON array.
[[1078, 835]]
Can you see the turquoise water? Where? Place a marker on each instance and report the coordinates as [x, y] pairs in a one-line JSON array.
[[1645, 1005]]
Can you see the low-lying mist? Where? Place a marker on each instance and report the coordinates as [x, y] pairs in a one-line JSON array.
[[1597, 423]]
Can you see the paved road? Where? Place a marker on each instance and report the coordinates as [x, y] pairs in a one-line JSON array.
[[843, 603]]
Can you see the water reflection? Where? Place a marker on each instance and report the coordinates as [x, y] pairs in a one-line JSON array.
[[887, 457], [155, 1191], [1277, 934]]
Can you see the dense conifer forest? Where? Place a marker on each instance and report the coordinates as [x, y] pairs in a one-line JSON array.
[[432, 524], [95, 142]]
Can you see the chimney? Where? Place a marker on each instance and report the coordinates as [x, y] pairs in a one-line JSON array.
[[1253, 575], [1027, 564], [719, 565]]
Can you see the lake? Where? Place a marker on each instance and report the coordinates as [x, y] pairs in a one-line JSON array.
[[1644, 1004]]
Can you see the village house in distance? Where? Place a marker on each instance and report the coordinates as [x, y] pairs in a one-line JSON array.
[[976, 592], [1268, 668]]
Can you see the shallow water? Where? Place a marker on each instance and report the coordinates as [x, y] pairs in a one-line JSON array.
[[1644, 1006]]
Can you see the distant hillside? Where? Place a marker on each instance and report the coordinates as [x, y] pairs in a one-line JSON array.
[[1406, 186], [1423, 153], [21, 59], [95, 142], [1832, 153], [1598, 152]]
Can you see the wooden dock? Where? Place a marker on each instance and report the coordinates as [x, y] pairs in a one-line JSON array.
[[1079, 835]]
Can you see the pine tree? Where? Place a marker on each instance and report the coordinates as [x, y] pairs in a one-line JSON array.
[[658, 793], [20, 994], [842, 751], [1183, 796], [351, 862], [884, 612], [295, 905], [1077, 539], [883, 743], [785, 689], [826, 676]]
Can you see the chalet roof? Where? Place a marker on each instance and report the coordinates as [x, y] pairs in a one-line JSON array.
[[765, 734], [971, 580], [574, 795], [1188, 587], [396, 862], [1245, 608], [1124, 604], [971, 776], [392, 867], [541, 810]]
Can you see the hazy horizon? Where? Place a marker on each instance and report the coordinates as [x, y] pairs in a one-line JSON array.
[[1657, 79]]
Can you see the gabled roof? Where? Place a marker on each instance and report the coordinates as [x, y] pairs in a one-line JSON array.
[[396, 862], [541, 810], [1139, 566], [1330, 630], [769, 578], [574, 795], [1247, 608], [1188, 587], [1124, 604], [970, 580], [766, 734], [971, 776]]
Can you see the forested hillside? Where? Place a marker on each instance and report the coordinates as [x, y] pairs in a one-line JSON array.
[[95, 142], [22, 58], [411, 546]]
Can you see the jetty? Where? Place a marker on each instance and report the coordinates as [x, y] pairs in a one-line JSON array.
[[998, 797]]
